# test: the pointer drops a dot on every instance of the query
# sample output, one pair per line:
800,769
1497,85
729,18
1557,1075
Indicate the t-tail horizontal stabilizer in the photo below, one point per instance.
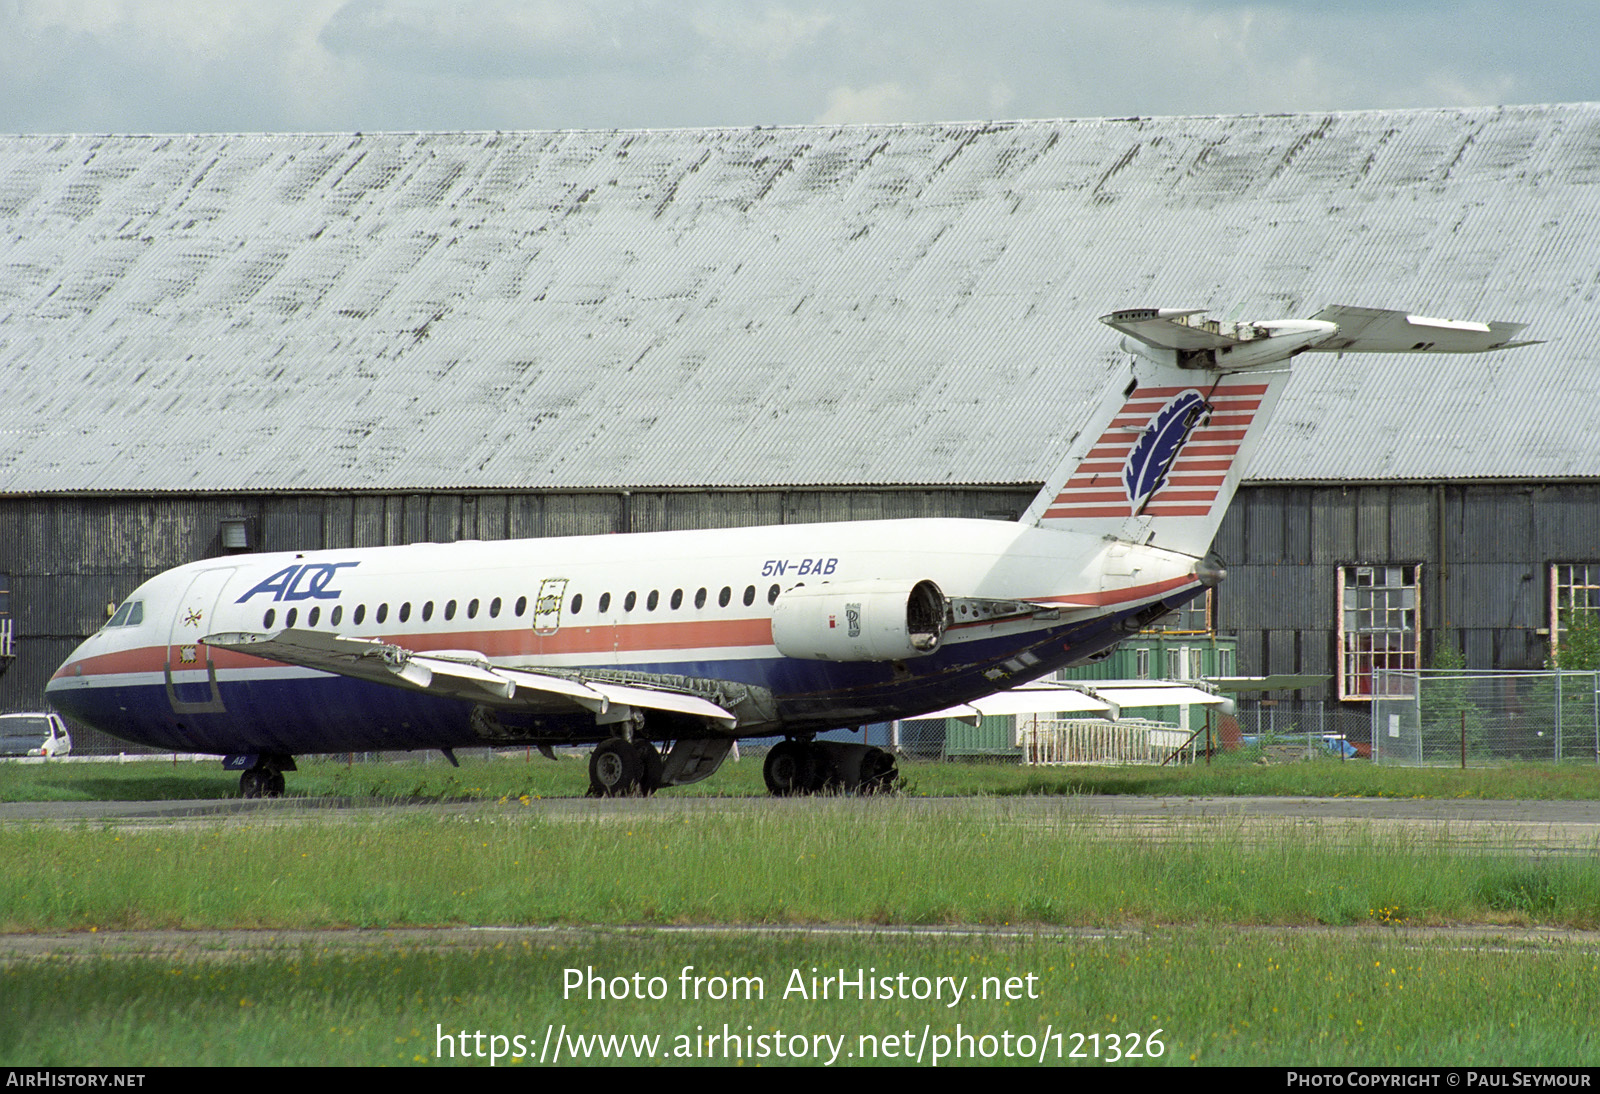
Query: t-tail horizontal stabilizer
1166,447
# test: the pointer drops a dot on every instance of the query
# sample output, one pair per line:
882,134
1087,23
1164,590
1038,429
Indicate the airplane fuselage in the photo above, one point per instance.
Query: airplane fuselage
693,605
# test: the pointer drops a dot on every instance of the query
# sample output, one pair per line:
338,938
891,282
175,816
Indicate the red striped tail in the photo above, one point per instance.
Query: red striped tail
1159,463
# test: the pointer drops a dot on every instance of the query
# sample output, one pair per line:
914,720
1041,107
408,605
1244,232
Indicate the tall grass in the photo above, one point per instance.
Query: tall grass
820,862
1213,995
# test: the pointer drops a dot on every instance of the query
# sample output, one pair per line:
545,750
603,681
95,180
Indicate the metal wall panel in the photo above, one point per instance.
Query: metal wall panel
1333,528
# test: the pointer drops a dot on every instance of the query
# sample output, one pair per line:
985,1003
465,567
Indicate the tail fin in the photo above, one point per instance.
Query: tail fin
1160,459
1162,456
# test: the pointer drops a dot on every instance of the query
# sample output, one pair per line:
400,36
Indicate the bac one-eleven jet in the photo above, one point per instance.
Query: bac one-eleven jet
663,648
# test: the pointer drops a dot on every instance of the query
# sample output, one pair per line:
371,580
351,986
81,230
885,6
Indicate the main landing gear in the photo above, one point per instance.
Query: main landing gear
263,775
618,767
815,767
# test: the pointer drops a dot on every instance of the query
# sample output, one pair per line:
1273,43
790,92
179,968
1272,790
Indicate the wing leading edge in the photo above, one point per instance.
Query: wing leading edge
464,674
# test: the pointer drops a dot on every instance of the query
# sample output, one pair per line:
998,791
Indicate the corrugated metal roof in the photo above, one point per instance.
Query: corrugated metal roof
800,306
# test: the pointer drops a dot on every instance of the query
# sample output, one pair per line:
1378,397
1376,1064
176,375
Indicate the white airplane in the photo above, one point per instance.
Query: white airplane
663,648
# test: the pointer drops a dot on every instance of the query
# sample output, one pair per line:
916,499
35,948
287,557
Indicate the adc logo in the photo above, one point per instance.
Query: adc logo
308,582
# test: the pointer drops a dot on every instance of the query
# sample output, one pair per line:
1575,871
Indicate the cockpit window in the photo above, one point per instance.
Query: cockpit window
131,614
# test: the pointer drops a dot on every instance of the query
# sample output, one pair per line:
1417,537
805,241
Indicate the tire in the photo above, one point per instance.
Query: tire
654,767
615,769
878,772
791,768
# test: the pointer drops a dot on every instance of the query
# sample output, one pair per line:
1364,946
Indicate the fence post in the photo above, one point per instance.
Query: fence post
1558,717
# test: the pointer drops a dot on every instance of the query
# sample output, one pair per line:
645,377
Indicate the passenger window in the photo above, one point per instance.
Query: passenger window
361,613
449,610
266,620
749,595
629,601
472,608
577,603
494,608
383,612
427,611
288,620
605,603
522,605
652,600
677,599
405,611
338,614
312,616
724,596
700,599
772,595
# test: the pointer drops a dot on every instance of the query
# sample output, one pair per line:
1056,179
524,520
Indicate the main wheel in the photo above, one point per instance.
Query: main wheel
615,769
878,772
253,783
654,767
791,768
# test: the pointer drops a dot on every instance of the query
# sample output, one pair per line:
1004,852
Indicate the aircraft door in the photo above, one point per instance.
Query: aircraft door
547,609
185,657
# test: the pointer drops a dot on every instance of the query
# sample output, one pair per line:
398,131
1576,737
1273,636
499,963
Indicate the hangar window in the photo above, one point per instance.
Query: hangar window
1379,619
1574,590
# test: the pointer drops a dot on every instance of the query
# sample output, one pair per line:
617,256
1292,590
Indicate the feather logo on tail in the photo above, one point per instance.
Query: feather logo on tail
1158,446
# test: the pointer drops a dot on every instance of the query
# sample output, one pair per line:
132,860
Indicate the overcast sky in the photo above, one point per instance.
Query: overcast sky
140,66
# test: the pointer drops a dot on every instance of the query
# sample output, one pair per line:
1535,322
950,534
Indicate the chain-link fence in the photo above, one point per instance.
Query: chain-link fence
1287,729
1458,717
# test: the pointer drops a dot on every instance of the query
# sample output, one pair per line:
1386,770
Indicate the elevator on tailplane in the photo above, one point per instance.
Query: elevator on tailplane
661,649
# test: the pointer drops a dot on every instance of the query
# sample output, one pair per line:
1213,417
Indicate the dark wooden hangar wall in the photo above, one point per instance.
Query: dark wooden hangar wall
1485,551
68,557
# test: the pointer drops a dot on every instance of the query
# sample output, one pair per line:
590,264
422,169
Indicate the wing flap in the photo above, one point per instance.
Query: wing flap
464,674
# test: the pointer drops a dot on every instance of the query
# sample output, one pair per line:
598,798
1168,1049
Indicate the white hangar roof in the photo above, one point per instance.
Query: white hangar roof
907,304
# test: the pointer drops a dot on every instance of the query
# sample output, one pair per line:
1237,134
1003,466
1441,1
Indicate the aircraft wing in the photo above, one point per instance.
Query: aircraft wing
462,674
1376,330
1094,698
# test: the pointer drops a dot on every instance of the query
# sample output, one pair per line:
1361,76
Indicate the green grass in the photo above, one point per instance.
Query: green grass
808,863
513,776
1206,996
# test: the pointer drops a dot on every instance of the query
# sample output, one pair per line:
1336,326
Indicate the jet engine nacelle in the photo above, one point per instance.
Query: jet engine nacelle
860,620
